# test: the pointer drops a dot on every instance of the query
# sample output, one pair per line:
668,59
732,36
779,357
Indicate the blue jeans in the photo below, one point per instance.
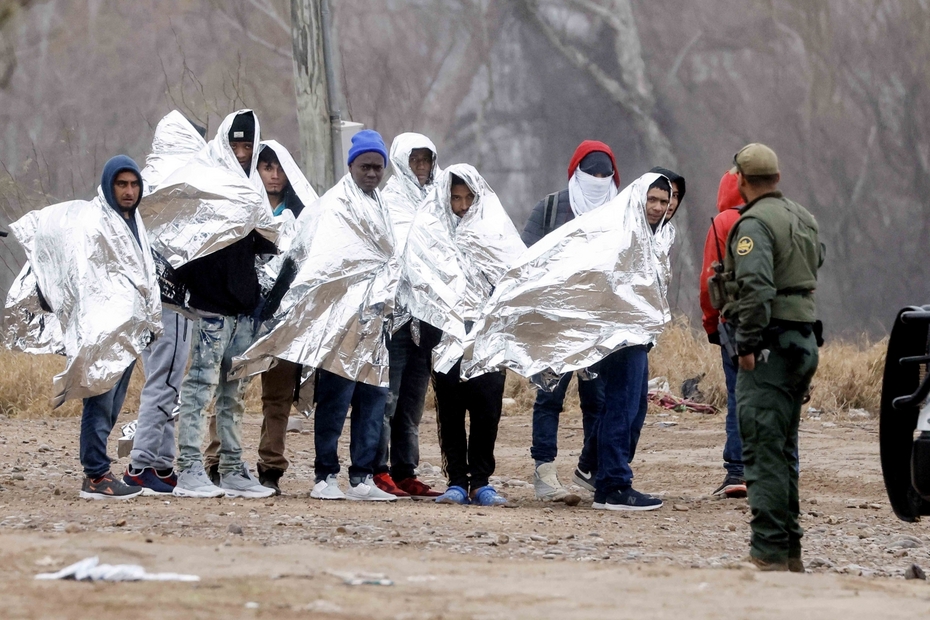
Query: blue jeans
733,448
625,374
587,462
409,378
97,421
334,395
215,341
546,412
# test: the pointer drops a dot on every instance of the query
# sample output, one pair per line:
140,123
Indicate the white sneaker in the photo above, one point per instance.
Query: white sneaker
546,484
327,489
194,482
243,484
366,491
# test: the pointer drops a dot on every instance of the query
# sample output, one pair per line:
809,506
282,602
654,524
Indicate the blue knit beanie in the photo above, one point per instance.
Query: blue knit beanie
367,141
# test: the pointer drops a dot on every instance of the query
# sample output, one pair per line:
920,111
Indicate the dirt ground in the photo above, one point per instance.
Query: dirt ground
531,559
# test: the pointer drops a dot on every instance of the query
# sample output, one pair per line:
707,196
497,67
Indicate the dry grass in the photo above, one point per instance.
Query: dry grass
849,377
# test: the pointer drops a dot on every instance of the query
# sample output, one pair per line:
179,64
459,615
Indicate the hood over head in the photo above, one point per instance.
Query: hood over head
675,178
403,145
591,146
120,163
728,192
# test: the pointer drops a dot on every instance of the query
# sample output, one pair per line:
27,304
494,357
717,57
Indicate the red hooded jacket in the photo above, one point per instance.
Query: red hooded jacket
728,203
592,146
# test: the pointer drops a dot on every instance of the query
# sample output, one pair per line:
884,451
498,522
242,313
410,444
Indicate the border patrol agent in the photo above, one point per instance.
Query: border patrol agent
770,273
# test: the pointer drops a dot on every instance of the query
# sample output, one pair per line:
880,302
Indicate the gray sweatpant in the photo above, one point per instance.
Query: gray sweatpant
164,362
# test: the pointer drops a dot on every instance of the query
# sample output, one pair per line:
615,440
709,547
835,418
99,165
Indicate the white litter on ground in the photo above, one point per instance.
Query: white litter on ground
90,569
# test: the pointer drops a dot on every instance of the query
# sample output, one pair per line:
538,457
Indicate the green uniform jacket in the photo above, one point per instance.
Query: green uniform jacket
773,254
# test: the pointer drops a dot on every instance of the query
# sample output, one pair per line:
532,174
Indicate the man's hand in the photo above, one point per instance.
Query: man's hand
747,362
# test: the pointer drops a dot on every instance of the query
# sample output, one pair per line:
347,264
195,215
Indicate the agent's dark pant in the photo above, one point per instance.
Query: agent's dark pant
97,421
468,460
768,401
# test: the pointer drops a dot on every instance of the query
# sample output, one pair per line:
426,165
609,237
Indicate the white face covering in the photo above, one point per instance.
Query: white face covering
587,192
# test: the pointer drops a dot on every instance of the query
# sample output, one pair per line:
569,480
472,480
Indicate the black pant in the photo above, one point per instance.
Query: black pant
468,461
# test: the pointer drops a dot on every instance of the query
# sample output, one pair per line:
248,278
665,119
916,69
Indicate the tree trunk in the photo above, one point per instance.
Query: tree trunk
310,86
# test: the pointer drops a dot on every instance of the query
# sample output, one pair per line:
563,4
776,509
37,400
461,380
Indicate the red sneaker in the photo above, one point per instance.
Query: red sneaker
416,489
384,482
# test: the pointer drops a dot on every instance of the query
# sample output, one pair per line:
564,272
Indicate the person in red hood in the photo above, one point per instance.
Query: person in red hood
729,202
593,180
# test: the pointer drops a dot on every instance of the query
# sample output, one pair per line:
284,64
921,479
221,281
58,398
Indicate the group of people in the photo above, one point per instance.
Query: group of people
359,298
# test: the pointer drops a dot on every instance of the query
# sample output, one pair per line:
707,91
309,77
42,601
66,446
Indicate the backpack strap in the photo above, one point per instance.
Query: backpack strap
550,212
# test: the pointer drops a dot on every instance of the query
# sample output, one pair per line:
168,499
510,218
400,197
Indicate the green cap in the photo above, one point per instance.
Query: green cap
755,160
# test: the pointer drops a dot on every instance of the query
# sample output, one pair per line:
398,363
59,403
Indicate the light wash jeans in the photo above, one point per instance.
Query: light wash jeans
215,341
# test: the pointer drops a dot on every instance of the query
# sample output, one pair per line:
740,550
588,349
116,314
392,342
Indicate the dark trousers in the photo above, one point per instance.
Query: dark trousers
548,407
733,448
97,421
334,395
626,386
278,388
409,377
468,460
768,401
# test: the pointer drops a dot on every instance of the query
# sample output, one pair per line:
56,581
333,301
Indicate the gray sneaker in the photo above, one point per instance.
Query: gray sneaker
243,484
546,484
194,482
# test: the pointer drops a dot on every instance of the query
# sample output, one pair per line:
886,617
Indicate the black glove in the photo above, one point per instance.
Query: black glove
714,338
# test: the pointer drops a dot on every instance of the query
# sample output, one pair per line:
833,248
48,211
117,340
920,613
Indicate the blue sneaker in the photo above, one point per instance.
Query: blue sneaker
487,496
149,480
454,495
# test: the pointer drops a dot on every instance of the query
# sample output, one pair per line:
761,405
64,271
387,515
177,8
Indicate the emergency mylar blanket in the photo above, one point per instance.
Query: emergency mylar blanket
99,283
208,203
587,289
450,264
174,144
337,311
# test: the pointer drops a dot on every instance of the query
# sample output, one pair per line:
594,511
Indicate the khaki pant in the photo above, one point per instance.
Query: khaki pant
278,388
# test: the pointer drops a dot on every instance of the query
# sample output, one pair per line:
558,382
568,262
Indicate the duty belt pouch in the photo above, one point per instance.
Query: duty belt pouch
716,287
818,332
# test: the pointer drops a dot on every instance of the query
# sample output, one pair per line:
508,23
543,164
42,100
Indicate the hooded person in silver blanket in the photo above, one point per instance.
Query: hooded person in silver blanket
415,168
224,294
589,292
288,194
331,310
93,269
460,244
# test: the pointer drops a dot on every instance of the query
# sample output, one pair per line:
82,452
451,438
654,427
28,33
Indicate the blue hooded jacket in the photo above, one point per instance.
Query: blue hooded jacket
121,163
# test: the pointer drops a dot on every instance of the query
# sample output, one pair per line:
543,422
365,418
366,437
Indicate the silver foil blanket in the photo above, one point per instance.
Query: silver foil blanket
450,264
403,194
101,286
209,202
587,289
337,312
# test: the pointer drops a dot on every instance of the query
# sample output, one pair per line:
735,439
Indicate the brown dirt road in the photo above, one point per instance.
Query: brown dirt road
531,560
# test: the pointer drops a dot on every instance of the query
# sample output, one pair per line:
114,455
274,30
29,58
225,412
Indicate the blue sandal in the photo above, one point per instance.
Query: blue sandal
487,496
453,495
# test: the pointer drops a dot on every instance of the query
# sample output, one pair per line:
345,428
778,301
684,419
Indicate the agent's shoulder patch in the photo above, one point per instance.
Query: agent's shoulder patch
743,246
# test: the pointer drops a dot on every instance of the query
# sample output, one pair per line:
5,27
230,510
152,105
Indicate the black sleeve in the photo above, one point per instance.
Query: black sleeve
535,226
262,245
282,284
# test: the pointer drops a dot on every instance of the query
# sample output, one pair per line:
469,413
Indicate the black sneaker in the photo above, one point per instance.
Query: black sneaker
107,487
628,499
584,479
732,487
269,478
214,473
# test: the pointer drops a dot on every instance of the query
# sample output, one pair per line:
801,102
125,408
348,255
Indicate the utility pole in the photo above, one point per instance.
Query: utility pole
315,84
